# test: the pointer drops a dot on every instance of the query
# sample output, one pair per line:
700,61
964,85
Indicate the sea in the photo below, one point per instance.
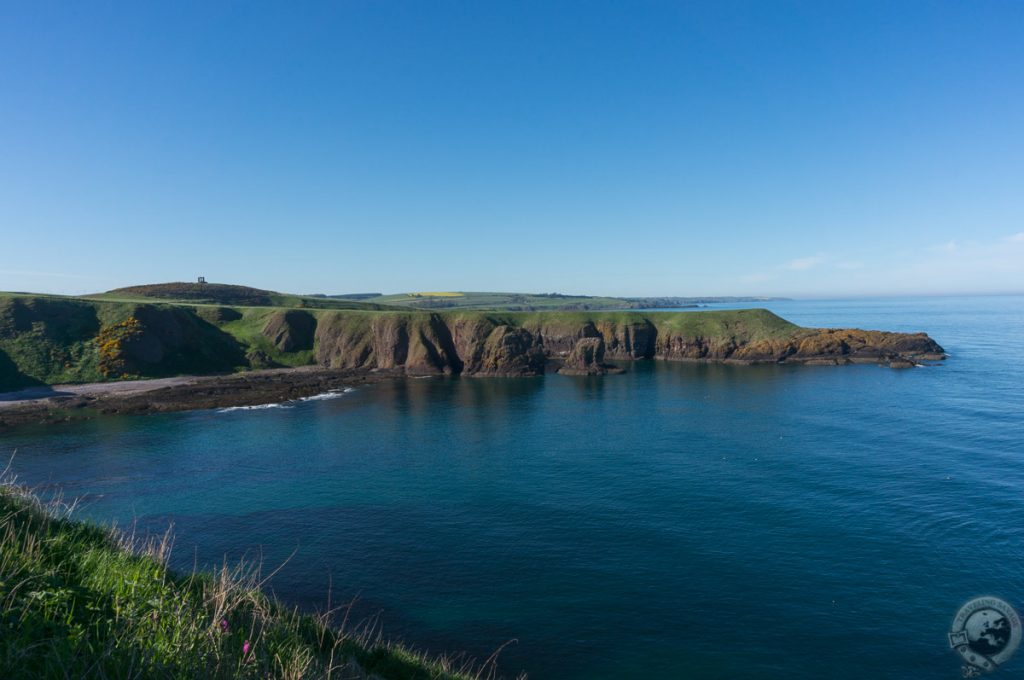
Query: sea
676,521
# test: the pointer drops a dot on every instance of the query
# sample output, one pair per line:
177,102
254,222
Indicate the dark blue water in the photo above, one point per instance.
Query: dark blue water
678,521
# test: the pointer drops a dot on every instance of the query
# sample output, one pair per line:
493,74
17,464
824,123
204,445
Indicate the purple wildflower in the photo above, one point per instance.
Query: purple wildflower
245,649
224,625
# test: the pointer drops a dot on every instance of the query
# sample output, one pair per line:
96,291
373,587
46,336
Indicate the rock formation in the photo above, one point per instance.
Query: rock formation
587,358
48,340
497,345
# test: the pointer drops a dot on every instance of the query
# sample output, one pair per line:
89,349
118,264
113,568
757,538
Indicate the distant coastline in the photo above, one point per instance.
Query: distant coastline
242,339
532,302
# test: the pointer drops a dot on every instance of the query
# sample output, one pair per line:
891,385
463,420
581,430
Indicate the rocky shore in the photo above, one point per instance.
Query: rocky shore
64,403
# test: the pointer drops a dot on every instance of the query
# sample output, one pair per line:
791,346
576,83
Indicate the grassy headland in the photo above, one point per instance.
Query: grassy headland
81,601
179,329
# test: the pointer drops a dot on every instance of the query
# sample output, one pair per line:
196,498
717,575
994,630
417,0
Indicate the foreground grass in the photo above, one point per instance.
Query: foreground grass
82,601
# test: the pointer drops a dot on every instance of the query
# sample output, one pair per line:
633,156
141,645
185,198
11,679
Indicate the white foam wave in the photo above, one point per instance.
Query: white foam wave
255,407
330,394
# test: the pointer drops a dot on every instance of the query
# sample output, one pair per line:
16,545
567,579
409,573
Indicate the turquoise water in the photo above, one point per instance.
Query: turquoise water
677,521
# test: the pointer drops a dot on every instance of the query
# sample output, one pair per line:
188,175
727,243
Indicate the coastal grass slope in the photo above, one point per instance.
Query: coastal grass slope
81,601
230,294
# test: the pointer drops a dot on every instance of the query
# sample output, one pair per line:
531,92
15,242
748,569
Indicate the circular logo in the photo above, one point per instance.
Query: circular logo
985,632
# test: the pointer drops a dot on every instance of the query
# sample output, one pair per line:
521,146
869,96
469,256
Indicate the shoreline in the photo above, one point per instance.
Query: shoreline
48,404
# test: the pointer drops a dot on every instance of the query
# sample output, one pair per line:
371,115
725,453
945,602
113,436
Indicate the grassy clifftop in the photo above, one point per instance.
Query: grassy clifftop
533,301
50,340
81,601
232,295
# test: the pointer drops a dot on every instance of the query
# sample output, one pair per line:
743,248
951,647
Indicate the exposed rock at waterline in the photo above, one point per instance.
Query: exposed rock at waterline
587,358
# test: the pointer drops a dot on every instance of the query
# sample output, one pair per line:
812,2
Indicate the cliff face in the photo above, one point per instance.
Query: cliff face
290,329
51,340
421,344
587,358
425,344
485,345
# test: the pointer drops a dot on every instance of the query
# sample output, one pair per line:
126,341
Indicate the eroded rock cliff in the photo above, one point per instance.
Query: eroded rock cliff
51,340
523,344
587,358
290,330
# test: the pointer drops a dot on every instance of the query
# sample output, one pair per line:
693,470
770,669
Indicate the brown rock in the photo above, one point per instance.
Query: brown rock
510,351
587,358
290,330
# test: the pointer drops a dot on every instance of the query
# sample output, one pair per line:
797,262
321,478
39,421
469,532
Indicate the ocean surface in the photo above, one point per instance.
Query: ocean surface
677,521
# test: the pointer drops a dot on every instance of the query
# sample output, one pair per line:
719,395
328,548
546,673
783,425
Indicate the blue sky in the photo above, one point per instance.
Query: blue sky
623,148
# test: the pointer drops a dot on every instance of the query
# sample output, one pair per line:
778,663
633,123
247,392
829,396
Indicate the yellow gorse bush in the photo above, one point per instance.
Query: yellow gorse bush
111,341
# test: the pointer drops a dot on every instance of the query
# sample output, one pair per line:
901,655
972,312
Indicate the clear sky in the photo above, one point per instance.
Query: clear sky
624,148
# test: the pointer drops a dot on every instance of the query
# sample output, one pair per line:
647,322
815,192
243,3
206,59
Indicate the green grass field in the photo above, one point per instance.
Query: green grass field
499,301
81,601
528,302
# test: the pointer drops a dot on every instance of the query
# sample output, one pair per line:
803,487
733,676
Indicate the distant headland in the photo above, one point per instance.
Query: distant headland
198,329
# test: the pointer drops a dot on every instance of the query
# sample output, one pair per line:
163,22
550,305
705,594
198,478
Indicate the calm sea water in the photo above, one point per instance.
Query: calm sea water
677,521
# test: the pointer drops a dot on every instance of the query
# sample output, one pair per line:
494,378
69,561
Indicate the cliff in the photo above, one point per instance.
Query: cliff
48,340
523,344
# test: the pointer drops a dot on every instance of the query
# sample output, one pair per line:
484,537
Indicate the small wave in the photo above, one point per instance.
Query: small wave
255,407
332,394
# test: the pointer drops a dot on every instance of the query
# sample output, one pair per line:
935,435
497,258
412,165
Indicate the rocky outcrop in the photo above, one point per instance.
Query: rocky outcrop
629,340
857,346
842,346
510,351
560,336
587,358
257,358
469,337
478,344
290,330
249,388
